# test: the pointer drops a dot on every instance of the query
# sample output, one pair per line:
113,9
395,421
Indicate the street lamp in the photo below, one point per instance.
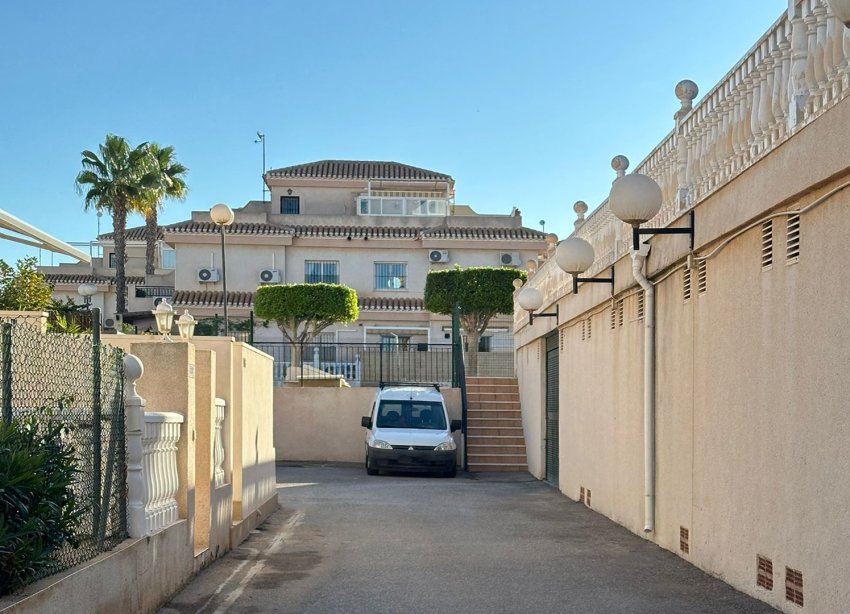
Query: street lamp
574,256
531,299
164,316
223,216
261,138
186,325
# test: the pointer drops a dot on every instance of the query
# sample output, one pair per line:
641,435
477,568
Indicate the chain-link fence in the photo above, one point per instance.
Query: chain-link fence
54,377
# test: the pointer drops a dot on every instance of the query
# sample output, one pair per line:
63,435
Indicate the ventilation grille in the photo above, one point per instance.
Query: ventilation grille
686,285
583,330
702,276
581,495
589,327
765,573
587,498
767,245
684,540
641,305
620,312
793,245
613,315
561,334
794,586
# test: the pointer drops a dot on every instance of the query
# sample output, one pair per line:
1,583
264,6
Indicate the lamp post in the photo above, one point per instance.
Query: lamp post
186,325
261,138
223,216
164,315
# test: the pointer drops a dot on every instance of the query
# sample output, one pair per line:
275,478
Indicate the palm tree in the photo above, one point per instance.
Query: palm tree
113,181
171,185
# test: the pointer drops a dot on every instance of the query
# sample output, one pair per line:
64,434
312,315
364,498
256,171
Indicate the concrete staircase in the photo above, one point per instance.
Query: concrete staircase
495,438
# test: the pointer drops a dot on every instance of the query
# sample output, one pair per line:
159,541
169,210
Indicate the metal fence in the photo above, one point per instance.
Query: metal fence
494,356
73,380
360,364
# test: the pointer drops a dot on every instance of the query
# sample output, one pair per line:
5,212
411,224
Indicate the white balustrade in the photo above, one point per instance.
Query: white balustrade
794,73
159,460
218,443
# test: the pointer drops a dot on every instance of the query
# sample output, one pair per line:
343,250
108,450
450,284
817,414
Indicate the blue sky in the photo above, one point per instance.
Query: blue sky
523,103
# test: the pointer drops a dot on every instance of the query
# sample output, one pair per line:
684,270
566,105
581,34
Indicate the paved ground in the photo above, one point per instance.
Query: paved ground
345,542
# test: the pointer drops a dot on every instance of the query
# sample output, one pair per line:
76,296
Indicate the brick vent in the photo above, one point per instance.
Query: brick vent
767,245
587,498
581,496
640,305
620,312
793,239
589,327
765,573
684,540
794,586
686,285
702,276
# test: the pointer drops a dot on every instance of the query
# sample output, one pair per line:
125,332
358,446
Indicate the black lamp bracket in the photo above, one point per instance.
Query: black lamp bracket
531,316
637,232
594,280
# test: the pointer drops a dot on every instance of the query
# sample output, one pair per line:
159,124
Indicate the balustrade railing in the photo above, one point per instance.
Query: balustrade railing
796,71
218,443
159,460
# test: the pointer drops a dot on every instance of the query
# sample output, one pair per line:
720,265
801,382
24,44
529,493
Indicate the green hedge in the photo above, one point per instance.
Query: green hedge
477,290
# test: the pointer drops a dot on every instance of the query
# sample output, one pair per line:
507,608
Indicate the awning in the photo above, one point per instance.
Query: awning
32,236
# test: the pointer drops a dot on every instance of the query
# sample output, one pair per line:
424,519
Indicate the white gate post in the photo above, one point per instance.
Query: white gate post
134,408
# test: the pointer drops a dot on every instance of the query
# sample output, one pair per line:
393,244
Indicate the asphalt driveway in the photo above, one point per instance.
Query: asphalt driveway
345,542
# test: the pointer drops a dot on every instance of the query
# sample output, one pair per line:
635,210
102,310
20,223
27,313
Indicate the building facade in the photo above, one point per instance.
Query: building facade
726,442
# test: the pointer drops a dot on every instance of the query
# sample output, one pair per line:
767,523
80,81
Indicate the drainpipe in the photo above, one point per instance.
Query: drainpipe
638,264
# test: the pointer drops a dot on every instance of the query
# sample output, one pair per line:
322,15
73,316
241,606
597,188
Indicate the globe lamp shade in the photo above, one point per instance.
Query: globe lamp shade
530,299
222,215
635,199
574,256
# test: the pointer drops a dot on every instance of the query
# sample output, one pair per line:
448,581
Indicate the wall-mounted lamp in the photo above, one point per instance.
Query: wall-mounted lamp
164,315
186,325
635,199
574,256
87,291
531,299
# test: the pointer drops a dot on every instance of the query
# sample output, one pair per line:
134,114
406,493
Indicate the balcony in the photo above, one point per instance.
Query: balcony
414,206
154,291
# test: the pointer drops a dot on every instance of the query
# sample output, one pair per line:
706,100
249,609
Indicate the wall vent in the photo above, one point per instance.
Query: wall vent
581,495
793,246
613,315
587,497
767,245
794,586
764,576
702,276
684,540
583,330
641,304
620,312
589,327
561,334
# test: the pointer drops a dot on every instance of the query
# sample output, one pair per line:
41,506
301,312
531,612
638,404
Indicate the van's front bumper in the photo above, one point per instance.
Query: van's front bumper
412,460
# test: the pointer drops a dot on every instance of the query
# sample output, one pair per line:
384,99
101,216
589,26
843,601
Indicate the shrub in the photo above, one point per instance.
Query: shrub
302,311
39,512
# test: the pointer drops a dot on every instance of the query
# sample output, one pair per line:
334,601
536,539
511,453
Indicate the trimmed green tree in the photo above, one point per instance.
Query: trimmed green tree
481,292
23,288
302,311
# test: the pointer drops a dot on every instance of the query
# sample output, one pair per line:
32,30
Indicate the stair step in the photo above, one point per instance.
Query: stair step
502,459
496,467
476,432
491,380
496,450
495,413
475,397
495,440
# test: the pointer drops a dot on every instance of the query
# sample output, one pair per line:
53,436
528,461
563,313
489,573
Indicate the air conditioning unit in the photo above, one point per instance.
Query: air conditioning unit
269,276
206,276
438,255
109,323
157,301
509,259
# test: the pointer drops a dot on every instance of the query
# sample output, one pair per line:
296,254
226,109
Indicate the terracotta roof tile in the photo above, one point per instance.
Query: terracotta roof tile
137,233
376,303
75,279
358,169
520,234
358,232
239,228
211,298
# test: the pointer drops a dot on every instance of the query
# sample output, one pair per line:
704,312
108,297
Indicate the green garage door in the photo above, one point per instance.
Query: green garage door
552,409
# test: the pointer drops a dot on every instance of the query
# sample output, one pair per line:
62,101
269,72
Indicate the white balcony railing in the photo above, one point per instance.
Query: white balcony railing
159,461
402,206
218,443
794,73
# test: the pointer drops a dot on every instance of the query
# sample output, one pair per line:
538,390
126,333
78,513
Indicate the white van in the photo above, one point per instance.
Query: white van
409,430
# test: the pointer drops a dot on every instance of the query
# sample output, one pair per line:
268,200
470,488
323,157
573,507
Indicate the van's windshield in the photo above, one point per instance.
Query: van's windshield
411,415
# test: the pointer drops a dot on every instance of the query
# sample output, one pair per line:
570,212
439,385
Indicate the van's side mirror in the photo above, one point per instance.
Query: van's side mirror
457,425
366,422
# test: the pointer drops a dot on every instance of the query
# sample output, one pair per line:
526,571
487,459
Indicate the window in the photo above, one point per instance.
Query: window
411,415
390,276
393,343
111,260
321,272
290,205
168,259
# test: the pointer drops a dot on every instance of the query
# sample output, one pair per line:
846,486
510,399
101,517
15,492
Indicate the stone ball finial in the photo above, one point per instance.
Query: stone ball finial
620,164
517,283
531,265
687,91
133,370
551,238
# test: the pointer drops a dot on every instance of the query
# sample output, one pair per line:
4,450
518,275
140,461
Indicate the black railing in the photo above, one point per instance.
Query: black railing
154,291
360,364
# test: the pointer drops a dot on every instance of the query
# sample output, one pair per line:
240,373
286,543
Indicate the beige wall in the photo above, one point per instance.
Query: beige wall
323,424
751,384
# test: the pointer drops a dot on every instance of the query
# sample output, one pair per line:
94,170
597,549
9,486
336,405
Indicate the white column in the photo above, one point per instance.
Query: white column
218,445
134,411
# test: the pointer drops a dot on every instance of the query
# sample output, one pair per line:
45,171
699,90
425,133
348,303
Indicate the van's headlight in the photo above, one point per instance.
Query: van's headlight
381,445
446,445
